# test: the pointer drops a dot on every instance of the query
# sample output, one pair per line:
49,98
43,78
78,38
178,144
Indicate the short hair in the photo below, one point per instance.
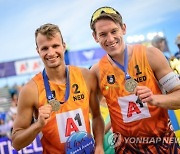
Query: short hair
106,13
49,30
177,41
157,39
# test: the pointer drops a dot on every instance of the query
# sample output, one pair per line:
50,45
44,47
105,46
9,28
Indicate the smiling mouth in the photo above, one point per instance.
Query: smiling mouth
112,45
52,59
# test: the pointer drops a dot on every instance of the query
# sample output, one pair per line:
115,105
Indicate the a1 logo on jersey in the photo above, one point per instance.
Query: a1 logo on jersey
77,94
133,109
73,121
111,79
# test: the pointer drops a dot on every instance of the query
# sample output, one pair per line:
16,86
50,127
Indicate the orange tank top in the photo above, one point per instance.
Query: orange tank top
72,116
127,117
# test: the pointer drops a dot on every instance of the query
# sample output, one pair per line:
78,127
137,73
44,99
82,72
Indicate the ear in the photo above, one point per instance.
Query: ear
124,29
95,37
37,49
64,46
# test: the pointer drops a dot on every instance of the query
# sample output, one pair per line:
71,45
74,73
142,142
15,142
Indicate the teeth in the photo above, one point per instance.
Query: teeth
51,58
112,45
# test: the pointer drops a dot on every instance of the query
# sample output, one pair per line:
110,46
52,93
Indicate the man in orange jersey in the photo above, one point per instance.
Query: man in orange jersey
130,77
59,98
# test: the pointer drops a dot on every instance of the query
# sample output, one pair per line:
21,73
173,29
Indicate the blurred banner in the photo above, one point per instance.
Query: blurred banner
7,69
86,58
83,58
6,147
28,66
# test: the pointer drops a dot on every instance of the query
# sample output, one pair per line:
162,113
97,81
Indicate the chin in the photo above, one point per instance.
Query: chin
112,53
53,65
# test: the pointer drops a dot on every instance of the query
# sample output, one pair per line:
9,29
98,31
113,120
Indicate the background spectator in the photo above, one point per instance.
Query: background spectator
161,43
177,42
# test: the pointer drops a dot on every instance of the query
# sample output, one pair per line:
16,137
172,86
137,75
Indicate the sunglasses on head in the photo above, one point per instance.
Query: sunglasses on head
106,10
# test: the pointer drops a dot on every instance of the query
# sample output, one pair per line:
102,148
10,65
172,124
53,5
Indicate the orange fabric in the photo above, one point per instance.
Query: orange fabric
51,141
155,123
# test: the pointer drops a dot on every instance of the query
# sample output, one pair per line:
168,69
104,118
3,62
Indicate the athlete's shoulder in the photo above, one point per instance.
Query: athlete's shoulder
85,71
29,93
89,77
95,67
37,76
149,50
154,53
80,71
137,47
77,69
29,87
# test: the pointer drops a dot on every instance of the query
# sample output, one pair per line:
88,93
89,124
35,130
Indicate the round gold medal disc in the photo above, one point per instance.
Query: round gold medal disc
130,85
55,104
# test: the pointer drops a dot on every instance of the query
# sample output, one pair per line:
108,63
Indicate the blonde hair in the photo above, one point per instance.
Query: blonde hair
49,30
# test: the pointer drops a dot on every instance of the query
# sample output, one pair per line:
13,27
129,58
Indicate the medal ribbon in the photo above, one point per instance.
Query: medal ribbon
123,68
49,94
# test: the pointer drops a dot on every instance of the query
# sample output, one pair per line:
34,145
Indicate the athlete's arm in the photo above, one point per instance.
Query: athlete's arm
161,69
95,71
23,132
97,120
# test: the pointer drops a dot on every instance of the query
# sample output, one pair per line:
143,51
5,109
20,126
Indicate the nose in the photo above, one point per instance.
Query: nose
110,38
51,51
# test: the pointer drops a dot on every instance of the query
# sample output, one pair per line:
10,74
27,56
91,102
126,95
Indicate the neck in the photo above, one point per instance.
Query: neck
120,57
57,75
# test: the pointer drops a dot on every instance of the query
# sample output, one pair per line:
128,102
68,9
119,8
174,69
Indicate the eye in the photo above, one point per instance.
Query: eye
44,49
114,31
55,46
102,35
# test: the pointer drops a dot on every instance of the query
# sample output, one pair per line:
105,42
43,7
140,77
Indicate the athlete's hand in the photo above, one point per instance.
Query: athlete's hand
44,114
145,94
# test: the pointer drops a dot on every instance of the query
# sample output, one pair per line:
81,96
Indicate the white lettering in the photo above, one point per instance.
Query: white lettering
10,148
2,144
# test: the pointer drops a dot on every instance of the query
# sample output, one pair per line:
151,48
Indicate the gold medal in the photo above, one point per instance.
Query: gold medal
130,85
55,104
